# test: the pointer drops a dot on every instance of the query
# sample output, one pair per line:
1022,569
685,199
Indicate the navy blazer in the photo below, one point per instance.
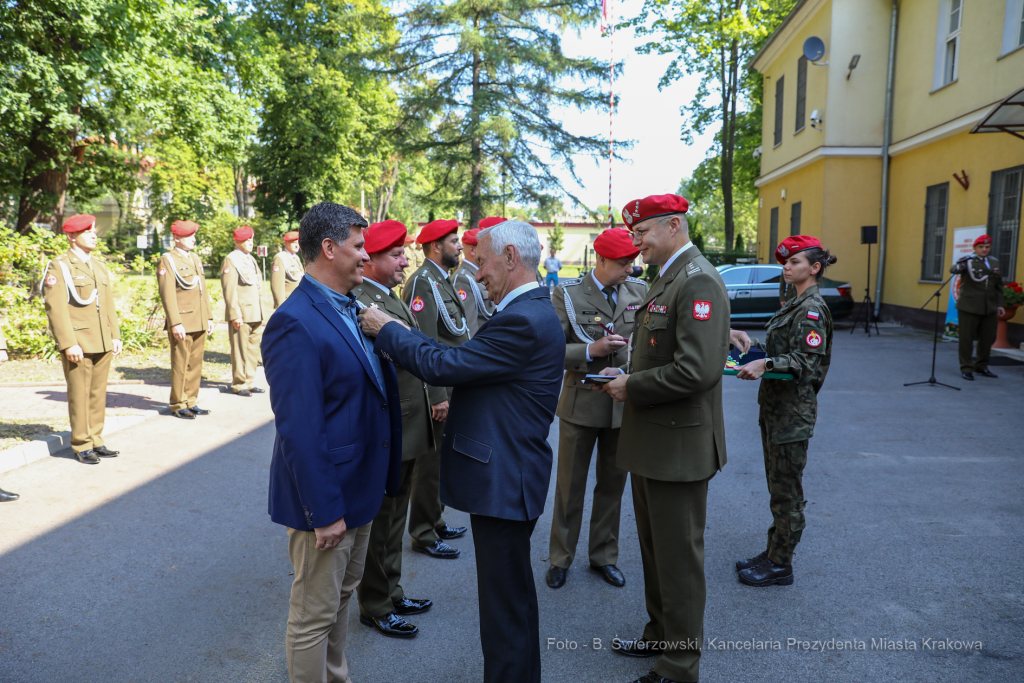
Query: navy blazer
338,448
495,457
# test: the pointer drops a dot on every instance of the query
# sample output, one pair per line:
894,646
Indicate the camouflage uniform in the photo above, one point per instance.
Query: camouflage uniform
799,342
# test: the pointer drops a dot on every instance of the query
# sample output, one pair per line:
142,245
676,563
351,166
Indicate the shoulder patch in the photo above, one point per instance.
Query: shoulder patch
227,269
462,294
692,267
813,314
569,282
276,268
417,304
51,280
813,339
636,281
162,271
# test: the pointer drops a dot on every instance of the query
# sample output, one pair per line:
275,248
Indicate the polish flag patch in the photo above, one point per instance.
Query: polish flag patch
702,310
462,294
813,315
51,280
813,339
417,304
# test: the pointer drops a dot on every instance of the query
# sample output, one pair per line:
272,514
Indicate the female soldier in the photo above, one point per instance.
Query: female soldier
800,343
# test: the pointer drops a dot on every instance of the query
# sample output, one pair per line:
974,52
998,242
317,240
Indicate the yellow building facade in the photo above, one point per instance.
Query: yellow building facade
823,139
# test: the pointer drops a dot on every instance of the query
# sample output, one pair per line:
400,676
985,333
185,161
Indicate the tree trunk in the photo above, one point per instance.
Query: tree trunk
476,150
730,75
243,208
49,186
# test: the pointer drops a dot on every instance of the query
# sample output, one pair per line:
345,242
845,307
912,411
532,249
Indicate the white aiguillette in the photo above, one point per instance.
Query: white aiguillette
597,379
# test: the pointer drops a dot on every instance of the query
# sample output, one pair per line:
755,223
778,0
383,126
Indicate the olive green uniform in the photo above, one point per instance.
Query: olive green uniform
286,272
187,303
380,587
242,285
799,342
672,442
80,309
981,293
587,417
475,300
441,316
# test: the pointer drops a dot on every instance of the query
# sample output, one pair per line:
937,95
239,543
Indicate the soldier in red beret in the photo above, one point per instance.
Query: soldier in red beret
80,309
286,270
478,305
979,305
243,310
188,315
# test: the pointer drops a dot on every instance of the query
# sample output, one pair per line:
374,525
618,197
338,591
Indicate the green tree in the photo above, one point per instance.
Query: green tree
184,187
556,237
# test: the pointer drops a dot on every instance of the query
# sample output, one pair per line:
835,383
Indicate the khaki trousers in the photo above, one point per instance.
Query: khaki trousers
575,448
87,398
670,520
380,587
318,609
245,353
186,368
425,507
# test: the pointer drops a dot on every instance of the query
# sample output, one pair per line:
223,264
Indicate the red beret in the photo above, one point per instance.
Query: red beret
410,238
794,245
469,237
435,230
493,220
82,221
243,233
654,206
984,239
184,228
615,243
291,236
384,235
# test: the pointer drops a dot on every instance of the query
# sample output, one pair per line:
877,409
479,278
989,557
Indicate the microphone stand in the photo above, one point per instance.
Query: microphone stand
935,340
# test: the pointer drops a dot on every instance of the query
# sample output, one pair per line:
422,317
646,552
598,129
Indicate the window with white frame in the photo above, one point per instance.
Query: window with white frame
947,42
1013,26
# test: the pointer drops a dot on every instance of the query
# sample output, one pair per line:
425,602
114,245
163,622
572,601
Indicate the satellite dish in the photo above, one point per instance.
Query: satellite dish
814,48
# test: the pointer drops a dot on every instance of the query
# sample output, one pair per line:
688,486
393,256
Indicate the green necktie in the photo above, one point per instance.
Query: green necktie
608,292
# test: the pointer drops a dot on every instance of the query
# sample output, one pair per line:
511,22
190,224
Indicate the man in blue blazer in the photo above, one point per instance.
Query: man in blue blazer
495,457
339,439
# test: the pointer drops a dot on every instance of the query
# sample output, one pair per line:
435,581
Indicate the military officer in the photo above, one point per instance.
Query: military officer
382,600
672,439
441,316
478,305
979,306
286,270
83,320
5,496
189,318
799,343
597,313
243,304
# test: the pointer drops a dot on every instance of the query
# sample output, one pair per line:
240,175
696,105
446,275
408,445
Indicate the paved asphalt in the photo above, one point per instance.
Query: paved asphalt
162,565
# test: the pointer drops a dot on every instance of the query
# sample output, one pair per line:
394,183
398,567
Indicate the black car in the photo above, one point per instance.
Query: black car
754,292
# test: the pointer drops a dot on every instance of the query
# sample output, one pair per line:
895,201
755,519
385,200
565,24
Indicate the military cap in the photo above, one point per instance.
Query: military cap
469,237
794,245
436,230
984,239
615,243
290,236
491,221
654,206
184,228
243,233
82,221
384,235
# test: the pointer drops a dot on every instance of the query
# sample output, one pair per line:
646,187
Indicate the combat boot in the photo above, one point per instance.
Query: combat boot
767,573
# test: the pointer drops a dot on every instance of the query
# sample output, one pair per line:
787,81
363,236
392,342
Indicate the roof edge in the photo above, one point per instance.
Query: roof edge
775,34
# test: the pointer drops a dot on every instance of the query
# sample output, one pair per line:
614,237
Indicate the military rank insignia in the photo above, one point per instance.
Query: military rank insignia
813,339
462,294
633,308
417,304
702,310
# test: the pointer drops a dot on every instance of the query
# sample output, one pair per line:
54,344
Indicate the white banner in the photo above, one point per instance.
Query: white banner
963,245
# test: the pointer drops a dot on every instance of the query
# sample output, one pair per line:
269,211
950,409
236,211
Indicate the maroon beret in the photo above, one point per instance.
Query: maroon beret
184,228
794,245
435,230
243,233
615,243
654,206
469,237
291,236
493,220
82,221
384,235
984,239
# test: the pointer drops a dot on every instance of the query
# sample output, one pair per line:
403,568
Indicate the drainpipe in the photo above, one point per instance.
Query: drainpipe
887,138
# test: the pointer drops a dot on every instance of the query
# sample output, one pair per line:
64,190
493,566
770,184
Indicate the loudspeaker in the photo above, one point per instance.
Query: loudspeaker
869,234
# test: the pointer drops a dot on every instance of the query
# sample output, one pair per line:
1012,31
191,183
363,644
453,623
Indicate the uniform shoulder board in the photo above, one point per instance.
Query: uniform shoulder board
692,268
636,281
569,282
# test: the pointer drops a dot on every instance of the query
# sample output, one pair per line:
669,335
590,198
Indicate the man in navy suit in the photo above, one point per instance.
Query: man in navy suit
339,439
495,457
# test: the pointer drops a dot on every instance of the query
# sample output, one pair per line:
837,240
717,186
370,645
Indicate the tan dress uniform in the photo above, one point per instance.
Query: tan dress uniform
80,310
672,442
441,316
285,273
187,303
242,285
475,300
587,417
380,587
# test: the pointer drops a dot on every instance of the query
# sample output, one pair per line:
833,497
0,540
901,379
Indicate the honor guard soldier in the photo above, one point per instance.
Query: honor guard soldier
441,316
672,439
597,313
382,601
243,304
83,320
799,343
477,304
979,306
189,318
5,496
286,270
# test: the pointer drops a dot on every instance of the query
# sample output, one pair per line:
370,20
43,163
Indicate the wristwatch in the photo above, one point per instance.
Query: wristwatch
769,364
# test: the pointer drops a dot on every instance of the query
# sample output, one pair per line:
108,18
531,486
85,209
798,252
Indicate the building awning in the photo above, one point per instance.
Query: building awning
1005,117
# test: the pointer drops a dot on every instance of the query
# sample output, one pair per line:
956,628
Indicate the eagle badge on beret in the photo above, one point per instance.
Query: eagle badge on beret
702,310
783,250
417,304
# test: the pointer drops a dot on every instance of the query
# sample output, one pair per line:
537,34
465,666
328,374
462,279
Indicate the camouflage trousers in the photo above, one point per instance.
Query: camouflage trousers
784,468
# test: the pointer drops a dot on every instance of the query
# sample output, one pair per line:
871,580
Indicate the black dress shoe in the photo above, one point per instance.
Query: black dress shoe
967,376
407,606
438,549
184,414
87,458
611,574
105,452
641,647
7,496
652,677
448,532
556,576
390,625
767,573
987,373
751,562
257,390
196,410
243,392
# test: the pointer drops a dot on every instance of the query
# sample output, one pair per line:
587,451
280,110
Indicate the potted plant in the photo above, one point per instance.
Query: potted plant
1013,297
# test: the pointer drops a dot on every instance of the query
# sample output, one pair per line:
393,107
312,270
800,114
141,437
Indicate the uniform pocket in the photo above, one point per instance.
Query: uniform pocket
472,448
342,454
676,417
406,406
